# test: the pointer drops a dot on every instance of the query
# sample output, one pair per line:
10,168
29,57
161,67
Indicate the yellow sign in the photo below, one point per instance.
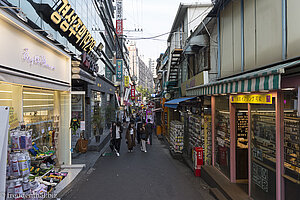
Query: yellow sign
255,98
126,81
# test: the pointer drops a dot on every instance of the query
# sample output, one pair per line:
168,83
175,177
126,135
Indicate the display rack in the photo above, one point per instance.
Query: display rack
207,139
196,138
176,136
292,145
264,135
242,130
223,129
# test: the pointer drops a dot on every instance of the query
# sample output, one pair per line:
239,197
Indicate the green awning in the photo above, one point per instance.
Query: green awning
266,79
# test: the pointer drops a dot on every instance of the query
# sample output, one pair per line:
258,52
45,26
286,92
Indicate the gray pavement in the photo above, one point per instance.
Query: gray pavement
138,175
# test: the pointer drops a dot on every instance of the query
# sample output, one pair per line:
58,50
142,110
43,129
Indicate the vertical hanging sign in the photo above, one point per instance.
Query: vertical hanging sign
119,27
119,70
132,92
119,17
126,81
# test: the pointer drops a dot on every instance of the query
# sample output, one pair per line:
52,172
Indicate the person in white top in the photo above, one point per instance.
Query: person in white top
130,137
116,135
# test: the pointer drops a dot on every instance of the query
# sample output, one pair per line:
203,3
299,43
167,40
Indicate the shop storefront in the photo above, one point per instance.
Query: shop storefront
35,83
196,114
255,130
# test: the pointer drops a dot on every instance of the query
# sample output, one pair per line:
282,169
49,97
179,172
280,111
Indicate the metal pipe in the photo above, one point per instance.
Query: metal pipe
219,46
284,30
242,37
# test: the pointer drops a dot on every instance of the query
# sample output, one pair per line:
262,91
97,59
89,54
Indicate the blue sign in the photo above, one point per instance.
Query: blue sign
119,71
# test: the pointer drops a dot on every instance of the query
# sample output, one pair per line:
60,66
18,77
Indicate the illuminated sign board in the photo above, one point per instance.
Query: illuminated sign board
255,98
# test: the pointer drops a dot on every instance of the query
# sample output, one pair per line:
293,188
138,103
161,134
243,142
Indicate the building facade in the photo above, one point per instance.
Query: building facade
247,101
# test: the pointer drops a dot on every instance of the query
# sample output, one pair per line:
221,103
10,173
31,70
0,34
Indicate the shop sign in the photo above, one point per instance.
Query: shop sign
36,60
119,69
132,92
89,62
256,99
108,73
126,81
119,17
72,27
64,20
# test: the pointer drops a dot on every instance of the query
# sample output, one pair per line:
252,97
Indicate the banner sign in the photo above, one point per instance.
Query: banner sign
119,69
256,99
108,73
119,17
132,92
126,81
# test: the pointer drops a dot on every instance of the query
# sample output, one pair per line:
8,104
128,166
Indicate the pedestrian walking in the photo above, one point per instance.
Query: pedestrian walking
144,137
138,132
130,137
116,136
149,129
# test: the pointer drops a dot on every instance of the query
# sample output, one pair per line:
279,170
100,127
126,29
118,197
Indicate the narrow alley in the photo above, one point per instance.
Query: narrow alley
138,175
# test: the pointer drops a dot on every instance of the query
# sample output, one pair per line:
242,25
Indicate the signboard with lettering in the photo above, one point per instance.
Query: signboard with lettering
119,17
255,98
108,73
65,20
119,73
132,92
126,81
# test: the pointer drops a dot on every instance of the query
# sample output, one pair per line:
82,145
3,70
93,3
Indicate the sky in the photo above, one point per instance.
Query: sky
154,17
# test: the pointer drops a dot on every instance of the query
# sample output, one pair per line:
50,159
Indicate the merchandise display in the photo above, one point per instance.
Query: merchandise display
223,129
176,136
263,138
30,171
242,130
196,132
223,142
292,146
207,139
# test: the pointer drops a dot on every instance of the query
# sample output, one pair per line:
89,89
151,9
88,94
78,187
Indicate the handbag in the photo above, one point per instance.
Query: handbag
148,141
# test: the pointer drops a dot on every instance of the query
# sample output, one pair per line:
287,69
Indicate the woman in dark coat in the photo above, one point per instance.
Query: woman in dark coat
116,136
144,137
130,137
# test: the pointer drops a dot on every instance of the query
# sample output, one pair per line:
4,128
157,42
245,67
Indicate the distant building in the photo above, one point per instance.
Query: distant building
152,66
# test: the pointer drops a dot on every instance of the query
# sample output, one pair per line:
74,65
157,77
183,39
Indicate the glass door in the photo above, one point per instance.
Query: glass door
263,148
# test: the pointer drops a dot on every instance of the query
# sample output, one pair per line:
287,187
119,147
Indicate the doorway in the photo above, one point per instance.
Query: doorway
242,146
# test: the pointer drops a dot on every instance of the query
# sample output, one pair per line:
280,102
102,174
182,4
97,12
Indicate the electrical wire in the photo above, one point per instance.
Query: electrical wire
170,32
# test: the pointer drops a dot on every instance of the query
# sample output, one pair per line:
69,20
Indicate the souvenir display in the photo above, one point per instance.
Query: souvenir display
30,166
176,136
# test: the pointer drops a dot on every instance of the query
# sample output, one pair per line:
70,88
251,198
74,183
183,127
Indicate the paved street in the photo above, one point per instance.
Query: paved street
138,175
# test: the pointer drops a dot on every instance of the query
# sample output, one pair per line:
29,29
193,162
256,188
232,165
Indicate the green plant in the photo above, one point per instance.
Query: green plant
109,113
97,121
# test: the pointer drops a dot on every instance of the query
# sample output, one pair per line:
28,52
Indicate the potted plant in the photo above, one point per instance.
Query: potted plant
109,114
97,123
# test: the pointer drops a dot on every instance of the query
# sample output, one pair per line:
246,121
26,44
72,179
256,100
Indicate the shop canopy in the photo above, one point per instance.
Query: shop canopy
265,79
175,102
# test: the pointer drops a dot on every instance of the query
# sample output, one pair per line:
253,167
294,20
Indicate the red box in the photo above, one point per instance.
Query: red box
198,160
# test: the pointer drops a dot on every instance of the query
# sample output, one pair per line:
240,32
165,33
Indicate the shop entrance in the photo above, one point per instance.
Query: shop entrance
242,145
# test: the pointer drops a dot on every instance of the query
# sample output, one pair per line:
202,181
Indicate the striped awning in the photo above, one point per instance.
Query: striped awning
266,79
